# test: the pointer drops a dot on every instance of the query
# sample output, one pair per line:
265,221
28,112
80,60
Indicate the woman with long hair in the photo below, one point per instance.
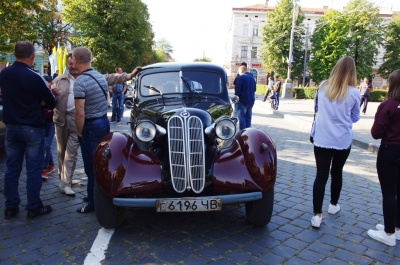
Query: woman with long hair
387,127
338,107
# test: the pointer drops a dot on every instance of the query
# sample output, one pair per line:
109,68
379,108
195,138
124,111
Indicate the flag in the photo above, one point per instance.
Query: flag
59,59
64,60
53,61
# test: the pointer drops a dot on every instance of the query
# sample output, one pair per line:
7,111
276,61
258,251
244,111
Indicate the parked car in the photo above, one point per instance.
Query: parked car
129,93
184,153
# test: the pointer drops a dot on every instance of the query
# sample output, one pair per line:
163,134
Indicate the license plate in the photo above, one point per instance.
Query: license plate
188,205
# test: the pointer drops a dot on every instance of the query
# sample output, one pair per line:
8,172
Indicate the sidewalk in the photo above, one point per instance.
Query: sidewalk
301,111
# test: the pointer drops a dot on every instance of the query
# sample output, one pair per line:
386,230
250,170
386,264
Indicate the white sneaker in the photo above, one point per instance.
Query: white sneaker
316,221
381,236
333,209
381,227
75,181
67,191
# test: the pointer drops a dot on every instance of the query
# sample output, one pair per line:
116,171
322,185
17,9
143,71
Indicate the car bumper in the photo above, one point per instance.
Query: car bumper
151,203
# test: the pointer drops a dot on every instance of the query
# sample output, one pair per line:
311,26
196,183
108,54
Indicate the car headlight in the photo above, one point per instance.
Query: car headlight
145,131
225,129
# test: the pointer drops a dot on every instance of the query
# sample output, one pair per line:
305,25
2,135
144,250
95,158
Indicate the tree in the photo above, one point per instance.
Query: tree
163,44
392,48
329,42
364,35
276,40
117,32
17,22
204,59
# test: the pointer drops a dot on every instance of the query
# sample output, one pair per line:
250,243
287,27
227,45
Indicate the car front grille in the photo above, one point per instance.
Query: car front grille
186,150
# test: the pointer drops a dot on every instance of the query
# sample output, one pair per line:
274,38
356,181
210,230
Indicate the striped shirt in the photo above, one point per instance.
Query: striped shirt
85,87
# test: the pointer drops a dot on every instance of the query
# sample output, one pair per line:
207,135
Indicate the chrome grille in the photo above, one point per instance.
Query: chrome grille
186,149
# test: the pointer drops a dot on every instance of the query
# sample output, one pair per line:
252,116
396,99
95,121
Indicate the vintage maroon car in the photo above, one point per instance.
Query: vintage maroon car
185,153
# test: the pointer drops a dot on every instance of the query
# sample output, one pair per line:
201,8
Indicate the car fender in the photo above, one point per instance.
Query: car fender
120,167
248,164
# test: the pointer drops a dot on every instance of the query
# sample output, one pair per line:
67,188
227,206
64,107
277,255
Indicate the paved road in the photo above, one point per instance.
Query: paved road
65,237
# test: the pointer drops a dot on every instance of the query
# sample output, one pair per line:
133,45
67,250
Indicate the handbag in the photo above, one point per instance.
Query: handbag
315,113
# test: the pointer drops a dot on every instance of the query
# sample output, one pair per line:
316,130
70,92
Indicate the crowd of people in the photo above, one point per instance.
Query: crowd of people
73,108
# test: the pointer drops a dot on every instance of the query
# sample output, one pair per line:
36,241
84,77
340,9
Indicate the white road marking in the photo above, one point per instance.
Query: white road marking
100,245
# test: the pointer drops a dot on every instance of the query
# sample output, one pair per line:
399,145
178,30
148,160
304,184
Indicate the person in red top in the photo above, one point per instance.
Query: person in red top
387,127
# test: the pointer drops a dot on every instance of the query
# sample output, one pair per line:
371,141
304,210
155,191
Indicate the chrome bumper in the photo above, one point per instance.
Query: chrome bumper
151,203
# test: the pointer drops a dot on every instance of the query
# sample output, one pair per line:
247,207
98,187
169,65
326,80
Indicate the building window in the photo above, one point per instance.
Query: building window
255,30
246,30
243,52
254,52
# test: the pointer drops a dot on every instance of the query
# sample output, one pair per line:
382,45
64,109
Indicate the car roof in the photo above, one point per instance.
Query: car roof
178,66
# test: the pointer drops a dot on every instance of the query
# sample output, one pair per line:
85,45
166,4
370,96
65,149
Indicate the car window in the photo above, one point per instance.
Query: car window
180,82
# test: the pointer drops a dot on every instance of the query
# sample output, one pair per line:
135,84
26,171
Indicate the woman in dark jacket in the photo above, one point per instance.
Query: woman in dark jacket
387,127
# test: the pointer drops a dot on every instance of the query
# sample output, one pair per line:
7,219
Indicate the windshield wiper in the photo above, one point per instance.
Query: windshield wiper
187,85
153,89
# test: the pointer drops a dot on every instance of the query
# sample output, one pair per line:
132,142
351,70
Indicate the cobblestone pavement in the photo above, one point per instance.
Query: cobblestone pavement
65,237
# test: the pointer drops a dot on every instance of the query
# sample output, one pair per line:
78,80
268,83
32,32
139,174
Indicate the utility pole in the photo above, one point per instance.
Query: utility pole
288,85
305,57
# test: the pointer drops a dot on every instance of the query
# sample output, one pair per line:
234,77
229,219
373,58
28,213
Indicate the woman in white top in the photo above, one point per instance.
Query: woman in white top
338,104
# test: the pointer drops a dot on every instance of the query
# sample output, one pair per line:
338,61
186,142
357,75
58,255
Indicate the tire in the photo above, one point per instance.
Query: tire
108,215
259,212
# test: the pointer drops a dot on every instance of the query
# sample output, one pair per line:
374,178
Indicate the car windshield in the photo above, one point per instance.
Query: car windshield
180,82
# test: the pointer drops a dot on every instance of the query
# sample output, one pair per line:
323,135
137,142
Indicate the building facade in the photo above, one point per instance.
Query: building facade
245,40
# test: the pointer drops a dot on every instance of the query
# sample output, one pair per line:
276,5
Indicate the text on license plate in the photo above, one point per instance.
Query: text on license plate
188,205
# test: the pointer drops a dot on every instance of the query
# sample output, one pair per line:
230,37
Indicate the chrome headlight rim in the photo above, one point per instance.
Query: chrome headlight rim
225,129
145,131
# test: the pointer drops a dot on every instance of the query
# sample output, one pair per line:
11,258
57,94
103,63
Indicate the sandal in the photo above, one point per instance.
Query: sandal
87,208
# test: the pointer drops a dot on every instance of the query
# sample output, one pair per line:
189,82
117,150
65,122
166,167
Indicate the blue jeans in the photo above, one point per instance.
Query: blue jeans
122,106
48,140
244,113
29,141
116,106
93,131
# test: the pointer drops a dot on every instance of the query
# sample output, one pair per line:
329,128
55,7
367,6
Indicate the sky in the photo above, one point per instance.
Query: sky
198,28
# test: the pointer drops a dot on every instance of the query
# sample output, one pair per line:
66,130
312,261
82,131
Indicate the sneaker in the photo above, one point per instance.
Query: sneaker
39,211
75,181
112,121
50,169
67,191
44,175
381,227
118,122
87,208
316,221
333,209
10,213
382,237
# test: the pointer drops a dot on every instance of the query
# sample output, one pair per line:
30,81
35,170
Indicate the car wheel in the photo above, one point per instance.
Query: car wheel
108,215
259,212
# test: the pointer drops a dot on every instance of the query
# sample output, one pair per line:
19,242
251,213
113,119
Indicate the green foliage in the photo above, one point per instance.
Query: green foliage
204,59
261,89
117,32
392,47
377,95
355,32
276,41
364,35
304,92
18,22
329,43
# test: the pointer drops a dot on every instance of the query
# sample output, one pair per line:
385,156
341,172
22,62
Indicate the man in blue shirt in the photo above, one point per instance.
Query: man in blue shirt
25,95
245,89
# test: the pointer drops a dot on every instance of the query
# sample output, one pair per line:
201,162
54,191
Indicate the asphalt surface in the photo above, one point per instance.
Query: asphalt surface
147,237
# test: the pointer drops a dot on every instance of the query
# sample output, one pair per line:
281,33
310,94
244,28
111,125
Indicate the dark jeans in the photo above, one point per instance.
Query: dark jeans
244,113
117,105
324,157
29,141
121,106
93,132
48,140
364,99
388,167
